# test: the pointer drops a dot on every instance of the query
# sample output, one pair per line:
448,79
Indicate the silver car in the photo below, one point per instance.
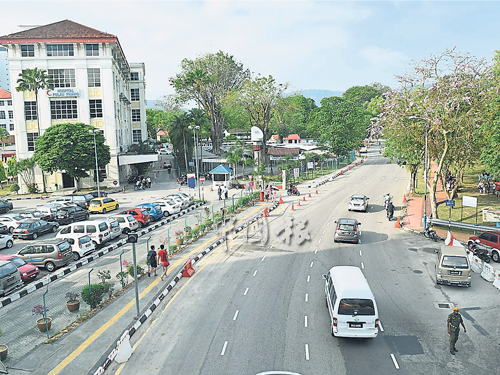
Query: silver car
358,202
347,230
10,278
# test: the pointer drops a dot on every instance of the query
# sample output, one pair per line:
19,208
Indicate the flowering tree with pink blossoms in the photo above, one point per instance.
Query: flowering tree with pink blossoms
447,97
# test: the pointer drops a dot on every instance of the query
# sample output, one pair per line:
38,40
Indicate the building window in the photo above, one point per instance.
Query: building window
62,77
60,50
92,49
31,140
134,76
95,108
136,115
94,77
9,102
136,136
30,111
28,50
2,115
2,103
3,126
11,127
63,109
11,115
134,95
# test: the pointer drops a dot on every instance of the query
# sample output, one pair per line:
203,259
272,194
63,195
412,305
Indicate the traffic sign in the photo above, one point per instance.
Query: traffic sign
202,179
251,184
115,182
296,172
450,203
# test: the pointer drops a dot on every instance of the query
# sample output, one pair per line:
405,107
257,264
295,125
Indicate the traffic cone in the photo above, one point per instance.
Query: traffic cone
304,198
211,188
361,162
398,223
281,200
41,198
341,172
123,190
355,164
293,208
404,199
316,191
179,188
310,195
349,168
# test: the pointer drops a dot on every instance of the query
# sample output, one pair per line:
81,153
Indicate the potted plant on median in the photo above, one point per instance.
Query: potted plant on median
45,322
72,301
3,349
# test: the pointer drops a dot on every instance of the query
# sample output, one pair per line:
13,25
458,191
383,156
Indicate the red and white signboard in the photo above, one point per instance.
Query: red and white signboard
202,179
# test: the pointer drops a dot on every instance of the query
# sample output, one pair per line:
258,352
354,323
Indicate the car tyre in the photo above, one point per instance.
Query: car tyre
95,244
11,230
76,256
126,231
495,256
103,210
9,244
7,210
141,225
51,267
35,236
117,206
54,229
469,245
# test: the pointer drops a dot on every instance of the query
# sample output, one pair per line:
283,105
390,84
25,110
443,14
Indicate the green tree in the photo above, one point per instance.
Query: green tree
3,175
208,80
292,116
362,95
340,123
181,138
26,169
70,147
157,119
12,167
4,136
35,80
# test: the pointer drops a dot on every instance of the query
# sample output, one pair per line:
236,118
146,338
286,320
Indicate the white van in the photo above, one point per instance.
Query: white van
97,231
351,304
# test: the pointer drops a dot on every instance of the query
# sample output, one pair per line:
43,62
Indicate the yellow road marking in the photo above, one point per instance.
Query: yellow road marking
66,361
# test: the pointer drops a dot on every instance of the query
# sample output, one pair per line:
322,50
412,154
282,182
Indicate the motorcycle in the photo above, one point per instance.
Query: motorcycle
387,199
431,233
480,251
390,214
293,191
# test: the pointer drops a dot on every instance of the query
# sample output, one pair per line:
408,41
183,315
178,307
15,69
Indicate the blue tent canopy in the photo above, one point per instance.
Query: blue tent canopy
221,169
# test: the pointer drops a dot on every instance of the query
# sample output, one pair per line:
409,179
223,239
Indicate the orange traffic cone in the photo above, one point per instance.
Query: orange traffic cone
281,200
310,195
349,168
361,161
123,190
398,223
179,188
304,198
404,199
293,208
341,172
355,164
316,191
41,198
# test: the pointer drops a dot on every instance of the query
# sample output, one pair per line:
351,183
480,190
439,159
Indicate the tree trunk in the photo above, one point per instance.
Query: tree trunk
437,175
39,134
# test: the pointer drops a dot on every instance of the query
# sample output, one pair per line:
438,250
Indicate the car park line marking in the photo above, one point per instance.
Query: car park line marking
315,251
362,265
246,291
319,241
308,278
236,314
255,273
307,297
364,219
323,232
327,224
307,352
224,348
305,321
311,265
360,254
263,258
394,361
380,325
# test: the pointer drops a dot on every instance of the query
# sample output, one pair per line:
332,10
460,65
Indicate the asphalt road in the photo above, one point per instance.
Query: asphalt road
259,307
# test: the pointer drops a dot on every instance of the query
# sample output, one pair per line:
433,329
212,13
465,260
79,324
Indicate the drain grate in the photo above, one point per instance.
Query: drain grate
444,305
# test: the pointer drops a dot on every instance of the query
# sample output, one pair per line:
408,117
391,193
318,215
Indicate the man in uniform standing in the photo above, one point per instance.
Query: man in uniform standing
454,321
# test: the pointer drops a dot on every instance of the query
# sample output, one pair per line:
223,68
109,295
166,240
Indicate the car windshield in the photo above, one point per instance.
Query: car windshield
454,262
84,239
357,199
63,246
346,227
355,306
17,218
94,202
18,262
24,225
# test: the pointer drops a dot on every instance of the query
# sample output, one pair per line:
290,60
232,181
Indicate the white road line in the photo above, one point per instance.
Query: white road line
362,265
263,258
236,314
307,352
224,348
307,297
271,246
380,325
364,219
308,278
311,265
319,241
315,251
323,232
327,224
305,321
395,362
360,254
255,273
246,291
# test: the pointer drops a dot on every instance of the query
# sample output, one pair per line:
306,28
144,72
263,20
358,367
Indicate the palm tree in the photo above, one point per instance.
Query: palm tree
178,132
35,80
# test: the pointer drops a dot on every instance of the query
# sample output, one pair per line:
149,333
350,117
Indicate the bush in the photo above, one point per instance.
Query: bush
140,270
195,233
32,188
94,297
14,188
231,210
173,248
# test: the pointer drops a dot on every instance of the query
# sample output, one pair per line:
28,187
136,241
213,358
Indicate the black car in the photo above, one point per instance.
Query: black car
82,200
3,228
34,228
35,214
68,215
5,206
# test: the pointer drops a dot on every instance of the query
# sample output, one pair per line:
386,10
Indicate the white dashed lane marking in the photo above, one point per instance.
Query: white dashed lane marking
380,325
263,258
307,297
311,265
394,361
360,254
246,291
224,348
308,278
305,321
307,352
236,314
255,273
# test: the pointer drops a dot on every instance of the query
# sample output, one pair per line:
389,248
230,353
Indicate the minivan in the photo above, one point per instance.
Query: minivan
452,266
10,278
50,254
82,200
97,231
351,304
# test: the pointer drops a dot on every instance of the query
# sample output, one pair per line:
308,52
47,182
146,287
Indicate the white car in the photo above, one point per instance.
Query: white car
177,199
12,221
188,198
358,202
115,229
81,246
164,151
6,241
126,222
168,206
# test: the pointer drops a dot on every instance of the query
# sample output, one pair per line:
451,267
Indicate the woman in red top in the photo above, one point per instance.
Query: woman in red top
163,259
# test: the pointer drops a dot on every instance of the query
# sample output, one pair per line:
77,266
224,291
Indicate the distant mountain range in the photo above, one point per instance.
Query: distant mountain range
316,95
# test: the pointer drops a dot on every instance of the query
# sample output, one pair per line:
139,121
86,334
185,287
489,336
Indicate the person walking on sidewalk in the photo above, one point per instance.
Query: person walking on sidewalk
163,258
219,191
152,264
454,321
226,191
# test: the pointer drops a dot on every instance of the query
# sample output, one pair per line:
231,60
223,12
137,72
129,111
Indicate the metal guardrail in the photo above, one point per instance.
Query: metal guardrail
458,224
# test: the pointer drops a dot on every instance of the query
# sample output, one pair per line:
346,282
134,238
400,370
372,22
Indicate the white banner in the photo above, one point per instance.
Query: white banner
469,201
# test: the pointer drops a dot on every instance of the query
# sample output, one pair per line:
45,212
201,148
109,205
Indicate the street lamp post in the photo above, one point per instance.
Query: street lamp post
93,131
424,219
194,128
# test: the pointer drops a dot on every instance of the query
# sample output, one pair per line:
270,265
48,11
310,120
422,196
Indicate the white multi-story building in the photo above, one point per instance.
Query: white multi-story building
93,84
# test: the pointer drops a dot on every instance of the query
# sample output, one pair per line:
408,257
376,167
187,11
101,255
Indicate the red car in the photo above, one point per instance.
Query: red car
28,271
139,214
490,239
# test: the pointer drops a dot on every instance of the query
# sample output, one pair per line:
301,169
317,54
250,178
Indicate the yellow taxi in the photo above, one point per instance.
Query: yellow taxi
103,205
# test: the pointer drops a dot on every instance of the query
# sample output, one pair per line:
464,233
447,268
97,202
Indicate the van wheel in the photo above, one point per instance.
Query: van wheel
103,210
495,256
95,244
50,266
76,256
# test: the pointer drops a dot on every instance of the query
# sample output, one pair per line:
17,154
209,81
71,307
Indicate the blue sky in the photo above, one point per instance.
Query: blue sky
330,45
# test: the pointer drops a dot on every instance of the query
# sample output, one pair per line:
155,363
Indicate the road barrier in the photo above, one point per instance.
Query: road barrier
476,265
496,282
188,268
488,273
